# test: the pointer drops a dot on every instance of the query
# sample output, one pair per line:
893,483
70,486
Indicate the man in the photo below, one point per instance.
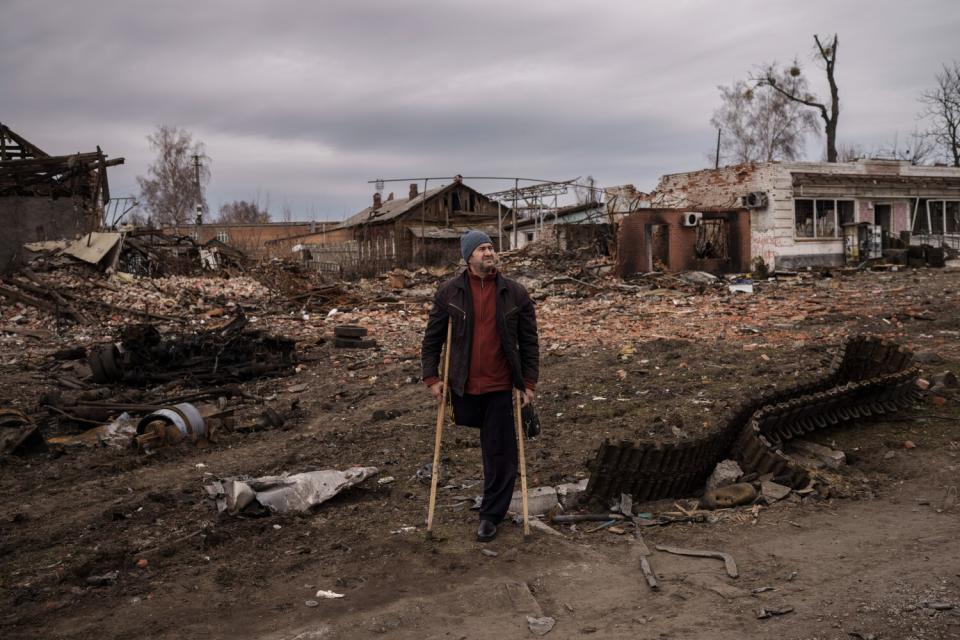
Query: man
495,350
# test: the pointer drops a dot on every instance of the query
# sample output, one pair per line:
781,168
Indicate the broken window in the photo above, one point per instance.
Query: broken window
819,218
826,219
455,201
936,216
952,220
846,210
712,241
473,202
921,221
803,218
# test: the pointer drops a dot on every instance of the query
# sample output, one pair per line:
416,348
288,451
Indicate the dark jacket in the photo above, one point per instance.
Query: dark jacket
516,324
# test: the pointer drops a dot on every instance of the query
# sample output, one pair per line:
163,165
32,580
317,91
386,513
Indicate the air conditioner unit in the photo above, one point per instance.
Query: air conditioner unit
754,200
692,218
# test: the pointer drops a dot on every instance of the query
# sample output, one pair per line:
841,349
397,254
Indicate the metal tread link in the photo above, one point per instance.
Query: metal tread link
867,377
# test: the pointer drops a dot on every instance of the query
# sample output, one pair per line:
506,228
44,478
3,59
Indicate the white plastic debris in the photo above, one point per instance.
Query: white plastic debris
286,493
329,595
404,530
725,473
540,626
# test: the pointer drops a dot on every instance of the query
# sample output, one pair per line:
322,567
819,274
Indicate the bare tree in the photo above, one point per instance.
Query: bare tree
918,149
942,106
771,76
849,152
286,213
241,211
760,124
586,190
137,217
170,191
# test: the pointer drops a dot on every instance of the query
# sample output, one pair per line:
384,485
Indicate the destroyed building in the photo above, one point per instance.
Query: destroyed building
827,214
678,239
44,197
421,229
566,227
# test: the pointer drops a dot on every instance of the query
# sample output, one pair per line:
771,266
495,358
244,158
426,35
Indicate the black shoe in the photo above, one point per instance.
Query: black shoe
487,531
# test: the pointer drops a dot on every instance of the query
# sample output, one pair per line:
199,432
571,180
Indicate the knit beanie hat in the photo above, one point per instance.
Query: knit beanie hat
470,241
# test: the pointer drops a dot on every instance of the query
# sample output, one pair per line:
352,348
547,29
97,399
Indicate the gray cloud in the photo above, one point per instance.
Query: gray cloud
307,102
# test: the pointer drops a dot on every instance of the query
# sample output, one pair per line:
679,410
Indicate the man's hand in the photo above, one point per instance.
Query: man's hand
527,396
437,390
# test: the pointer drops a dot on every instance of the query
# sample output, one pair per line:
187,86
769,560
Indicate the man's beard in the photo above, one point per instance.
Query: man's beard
484,268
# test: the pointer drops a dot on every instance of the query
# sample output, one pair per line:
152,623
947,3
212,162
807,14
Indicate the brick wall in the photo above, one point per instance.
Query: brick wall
638,243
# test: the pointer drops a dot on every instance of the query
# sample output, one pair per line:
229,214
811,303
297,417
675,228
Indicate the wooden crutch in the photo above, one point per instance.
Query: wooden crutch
435,471
518,422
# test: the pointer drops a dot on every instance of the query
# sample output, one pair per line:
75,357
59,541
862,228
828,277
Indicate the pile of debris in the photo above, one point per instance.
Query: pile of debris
144,252
228,352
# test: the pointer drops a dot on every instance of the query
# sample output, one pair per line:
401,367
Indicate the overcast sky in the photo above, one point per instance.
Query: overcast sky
305,102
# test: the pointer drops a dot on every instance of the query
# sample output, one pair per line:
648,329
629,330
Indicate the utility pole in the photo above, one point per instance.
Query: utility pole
716,164
199,197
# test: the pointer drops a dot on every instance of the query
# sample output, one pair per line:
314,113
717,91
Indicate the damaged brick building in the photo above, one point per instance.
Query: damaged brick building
826,214
44,197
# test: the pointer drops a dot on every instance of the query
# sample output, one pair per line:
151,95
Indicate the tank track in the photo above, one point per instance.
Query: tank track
867,377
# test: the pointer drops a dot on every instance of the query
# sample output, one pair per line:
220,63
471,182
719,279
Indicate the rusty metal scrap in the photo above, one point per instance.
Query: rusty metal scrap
728,562
867,377
18,433
231,352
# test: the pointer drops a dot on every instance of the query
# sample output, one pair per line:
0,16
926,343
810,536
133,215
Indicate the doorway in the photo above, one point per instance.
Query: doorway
883,216
657,240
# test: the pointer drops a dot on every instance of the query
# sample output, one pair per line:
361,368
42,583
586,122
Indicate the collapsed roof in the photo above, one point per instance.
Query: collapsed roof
27,170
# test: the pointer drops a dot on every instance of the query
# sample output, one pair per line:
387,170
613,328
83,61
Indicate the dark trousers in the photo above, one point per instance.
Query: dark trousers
492,413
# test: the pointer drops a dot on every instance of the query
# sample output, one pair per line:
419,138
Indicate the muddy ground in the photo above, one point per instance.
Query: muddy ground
866,561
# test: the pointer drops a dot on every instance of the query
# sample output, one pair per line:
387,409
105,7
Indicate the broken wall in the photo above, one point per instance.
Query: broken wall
34,219
771,227
648,235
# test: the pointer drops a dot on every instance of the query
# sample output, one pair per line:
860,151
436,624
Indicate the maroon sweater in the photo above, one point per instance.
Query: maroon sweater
489,370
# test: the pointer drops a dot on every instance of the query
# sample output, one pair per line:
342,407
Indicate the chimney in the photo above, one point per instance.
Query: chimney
413,190
390,197
376,200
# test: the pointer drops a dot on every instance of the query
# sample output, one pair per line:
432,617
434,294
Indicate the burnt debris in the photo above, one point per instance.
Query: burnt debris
231,352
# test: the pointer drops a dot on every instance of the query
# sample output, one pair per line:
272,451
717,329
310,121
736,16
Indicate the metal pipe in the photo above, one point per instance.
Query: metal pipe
500,226
516,184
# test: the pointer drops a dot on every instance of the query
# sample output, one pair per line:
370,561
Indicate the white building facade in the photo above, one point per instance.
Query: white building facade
802,213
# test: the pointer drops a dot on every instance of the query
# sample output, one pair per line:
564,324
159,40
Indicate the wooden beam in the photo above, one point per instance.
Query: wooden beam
15,296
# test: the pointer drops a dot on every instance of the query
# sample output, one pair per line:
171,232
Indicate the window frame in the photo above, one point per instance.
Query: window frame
837,234
930,231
